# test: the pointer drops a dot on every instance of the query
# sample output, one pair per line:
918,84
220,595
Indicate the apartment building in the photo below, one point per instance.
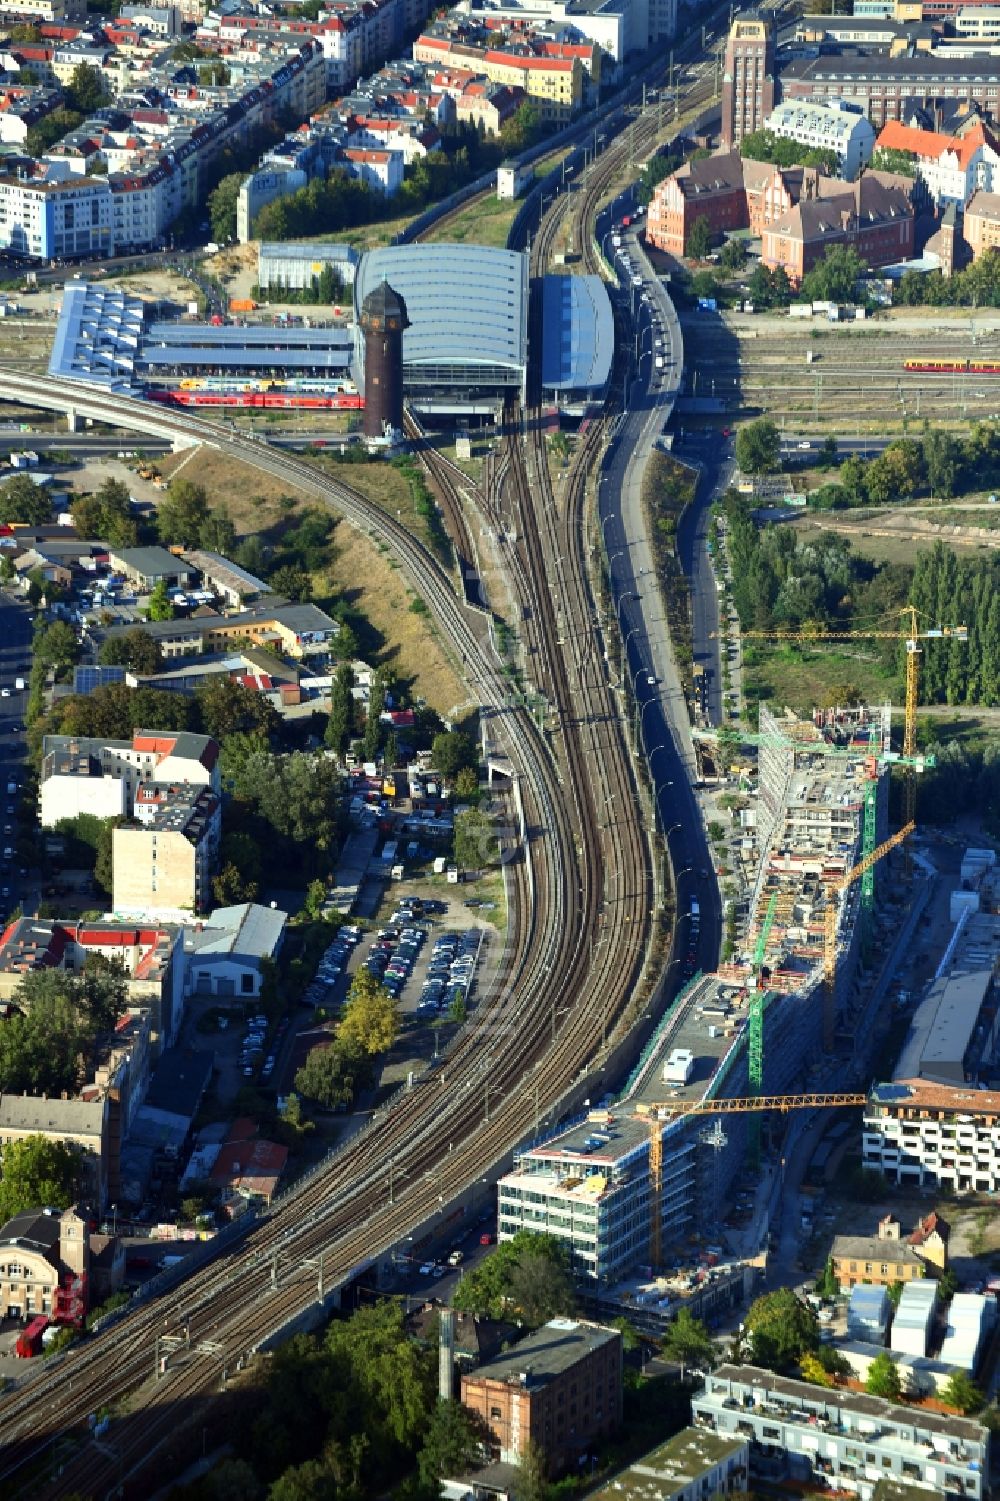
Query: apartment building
691,1466
165,857
748,90
827,126
949,169
81,1123
47,220
101,777
846,1441
559,1389
554,84
981,223
151,958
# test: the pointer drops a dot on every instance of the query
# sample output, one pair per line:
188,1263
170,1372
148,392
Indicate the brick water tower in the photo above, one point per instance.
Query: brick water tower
383,319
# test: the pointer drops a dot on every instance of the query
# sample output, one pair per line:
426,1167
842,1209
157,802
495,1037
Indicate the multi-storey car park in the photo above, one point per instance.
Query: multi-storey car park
603,1186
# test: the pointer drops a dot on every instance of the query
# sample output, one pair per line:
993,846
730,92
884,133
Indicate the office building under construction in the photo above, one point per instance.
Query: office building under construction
625,1184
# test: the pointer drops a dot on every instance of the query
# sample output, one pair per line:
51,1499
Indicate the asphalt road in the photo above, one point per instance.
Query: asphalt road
15,661
661,706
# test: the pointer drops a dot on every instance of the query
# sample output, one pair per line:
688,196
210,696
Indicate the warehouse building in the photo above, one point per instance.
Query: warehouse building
970,1317
914,1317
466,347
842,1440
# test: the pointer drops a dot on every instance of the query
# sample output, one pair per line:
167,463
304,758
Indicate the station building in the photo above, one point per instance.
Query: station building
578,341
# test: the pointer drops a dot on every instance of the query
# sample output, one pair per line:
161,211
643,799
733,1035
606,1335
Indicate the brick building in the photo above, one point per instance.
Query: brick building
874,215
748,94
561,1389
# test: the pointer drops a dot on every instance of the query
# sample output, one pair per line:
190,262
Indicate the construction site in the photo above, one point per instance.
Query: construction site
675,1161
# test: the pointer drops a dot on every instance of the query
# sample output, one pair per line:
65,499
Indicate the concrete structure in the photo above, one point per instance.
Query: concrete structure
560,1388
911,1326
382,321
949,169
164,859
101,777
226,952
293,267
868,1314
748,79
692,1465
828,126
43,1263
846,1441
447,290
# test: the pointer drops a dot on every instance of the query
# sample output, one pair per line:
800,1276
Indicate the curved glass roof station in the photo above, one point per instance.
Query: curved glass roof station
468,311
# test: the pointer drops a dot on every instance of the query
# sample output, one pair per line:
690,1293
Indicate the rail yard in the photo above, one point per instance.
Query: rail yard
583,905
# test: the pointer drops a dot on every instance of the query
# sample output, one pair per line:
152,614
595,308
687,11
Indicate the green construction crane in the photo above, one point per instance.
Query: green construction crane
765,933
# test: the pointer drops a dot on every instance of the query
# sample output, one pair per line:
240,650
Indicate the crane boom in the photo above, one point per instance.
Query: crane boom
746,1105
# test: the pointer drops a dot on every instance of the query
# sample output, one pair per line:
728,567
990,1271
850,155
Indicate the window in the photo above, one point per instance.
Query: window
494,1413
246,984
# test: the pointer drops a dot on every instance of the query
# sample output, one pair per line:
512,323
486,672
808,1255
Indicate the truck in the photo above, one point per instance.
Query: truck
695,908
29,1341
19,684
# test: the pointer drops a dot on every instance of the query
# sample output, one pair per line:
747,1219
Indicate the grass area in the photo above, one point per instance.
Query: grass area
884,544
361,573
485,221
800,679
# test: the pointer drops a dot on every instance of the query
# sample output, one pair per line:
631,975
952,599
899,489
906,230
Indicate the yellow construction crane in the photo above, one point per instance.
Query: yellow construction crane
911,633
745,1105
830,925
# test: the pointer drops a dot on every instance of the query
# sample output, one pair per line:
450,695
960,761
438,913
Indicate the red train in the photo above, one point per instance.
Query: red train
334,401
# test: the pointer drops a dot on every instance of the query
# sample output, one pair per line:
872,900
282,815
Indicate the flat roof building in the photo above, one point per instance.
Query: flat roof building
578,338
690,1466
466,346
289,267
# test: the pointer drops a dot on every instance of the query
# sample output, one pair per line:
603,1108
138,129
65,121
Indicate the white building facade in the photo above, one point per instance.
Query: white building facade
830,126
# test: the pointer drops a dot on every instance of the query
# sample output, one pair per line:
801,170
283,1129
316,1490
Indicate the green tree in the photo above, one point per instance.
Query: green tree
733,255
370,1022
373,718
941,460
50,129
160,605
758,445
222,203
135,649
231,887
827,1283
768,288
341,708
182,514
107,513
35,1172
453,1443
475,840
961,1391
55,645
895,1291
883,1378
835,276
486,1290
104,871
293,583
688,1341
231,708
947,1284
218,533
24,502
466,784
540,1288
532,1484
811,1369
450,751
331,1076
890,159
86,91
779,1329
699,240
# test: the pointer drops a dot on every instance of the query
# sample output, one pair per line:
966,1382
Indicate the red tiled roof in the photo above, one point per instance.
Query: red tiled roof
928,143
